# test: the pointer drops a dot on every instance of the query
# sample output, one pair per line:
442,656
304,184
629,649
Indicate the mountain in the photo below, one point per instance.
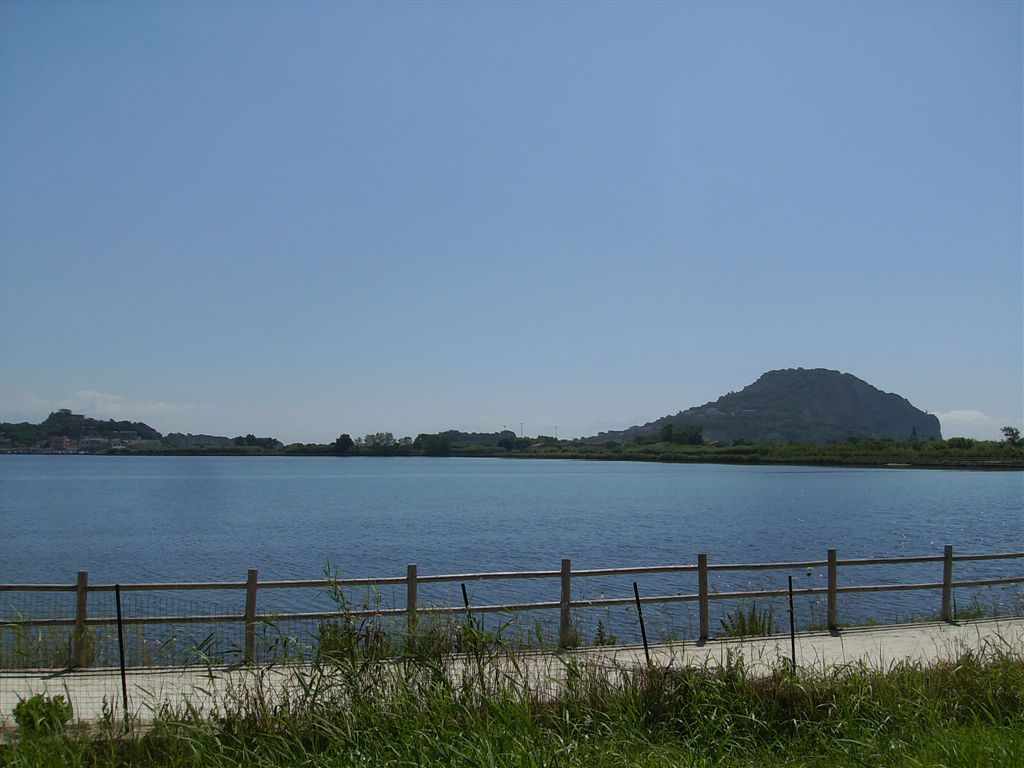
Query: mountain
798,405
64,423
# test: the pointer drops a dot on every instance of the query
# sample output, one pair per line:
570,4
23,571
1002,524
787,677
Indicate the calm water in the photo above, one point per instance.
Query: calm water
210,518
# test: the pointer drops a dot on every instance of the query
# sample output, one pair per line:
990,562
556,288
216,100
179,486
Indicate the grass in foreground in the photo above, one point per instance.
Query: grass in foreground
492,708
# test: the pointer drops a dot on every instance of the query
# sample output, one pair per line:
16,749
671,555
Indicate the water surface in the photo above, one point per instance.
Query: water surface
128,519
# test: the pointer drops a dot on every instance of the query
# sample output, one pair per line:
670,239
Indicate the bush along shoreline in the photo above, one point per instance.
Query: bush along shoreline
930,454
65,433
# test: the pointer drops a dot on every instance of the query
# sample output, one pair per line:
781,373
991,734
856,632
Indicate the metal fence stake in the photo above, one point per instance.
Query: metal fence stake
80,650
410,604
564,623
792,626
702,595
947,583
251,585
465,602
643,629
120,650
833,583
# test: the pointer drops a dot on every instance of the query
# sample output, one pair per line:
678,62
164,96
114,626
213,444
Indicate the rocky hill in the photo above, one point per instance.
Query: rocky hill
798,405
64,423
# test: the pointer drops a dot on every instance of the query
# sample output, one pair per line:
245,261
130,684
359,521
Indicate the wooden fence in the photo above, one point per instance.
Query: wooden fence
565,605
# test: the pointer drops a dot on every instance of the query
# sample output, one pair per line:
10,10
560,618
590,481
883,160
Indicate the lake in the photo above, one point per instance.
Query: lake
128,519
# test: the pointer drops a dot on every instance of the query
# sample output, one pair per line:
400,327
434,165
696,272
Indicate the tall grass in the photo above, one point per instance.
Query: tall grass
489,706
749,622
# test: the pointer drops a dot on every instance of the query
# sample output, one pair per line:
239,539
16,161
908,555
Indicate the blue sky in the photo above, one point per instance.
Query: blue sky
306,219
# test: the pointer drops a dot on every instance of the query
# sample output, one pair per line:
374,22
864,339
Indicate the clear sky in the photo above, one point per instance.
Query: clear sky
302,219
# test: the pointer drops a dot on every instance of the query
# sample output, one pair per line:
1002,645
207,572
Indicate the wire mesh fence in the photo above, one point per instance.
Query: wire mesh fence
225,624
26,646
185,647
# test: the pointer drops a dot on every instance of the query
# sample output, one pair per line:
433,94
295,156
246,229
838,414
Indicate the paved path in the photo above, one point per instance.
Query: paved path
93,691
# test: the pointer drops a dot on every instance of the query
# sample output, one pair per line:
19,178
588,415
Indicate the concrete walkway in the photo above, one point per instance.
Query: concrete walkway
92,692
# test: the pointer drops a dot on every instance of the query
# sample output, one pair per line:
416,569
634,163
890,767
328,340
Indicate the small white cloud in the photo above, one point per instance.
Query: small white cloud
92,403
111,406
971,423
966,418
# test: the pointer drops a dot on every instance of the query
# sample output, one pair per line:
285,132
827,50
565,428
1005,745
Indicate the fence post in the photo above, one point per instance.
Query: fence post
947,583
410,604
250,615
702,594
80,649
564,624
833,583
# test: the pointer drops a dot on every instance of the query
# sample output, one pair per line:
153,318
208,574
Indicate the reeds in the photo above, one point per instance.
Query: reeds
749,622
489,705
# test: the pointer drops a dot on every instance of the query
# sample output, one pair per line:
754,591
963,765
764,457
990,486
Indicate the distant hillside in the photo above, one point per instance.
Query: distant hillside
187,441
798,405
455,437
64,423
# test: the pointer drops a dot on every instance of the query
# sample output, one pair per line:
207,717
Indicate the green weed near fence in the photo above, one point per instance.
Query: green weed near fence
749,622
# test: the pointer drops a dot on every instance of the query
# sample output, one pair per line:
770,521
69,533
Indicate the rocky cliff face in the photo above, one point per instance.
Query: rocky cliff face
805,405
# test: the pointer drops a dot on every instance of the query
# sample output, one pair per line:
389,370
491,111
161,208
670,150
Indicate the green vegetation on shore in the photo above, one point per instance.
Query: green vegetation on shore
786,400
794,416
954,453
675,445
486,708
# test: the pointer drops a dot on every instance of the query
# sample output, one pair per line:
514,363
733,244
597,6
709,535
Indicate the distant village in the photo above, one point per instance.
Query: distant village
64,432
82,435
87,444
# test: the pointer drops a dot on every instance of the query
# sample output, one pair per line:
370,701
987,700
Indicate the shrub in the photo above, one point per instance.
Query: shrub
42,714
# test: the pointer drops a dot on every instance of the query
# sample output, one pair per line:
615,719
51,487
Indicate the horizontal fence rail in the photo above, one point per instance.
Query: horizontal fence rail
251,618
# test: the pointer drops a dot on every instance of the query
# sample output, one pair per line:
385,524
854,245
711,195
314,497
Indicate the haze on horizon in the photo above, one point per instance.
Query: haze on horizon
301,219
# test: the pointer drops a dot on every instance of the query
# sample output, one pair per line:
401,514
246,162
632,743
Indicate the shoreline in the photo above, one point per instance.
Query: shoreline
981,464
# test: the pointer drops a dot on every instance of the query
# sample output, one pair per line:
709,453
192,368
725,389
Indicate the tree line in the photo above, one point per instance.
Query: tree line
672,443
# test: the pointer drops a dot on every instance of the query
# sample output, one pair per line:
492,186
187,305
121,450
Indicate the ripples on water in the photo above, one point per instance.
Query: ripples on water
129,519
